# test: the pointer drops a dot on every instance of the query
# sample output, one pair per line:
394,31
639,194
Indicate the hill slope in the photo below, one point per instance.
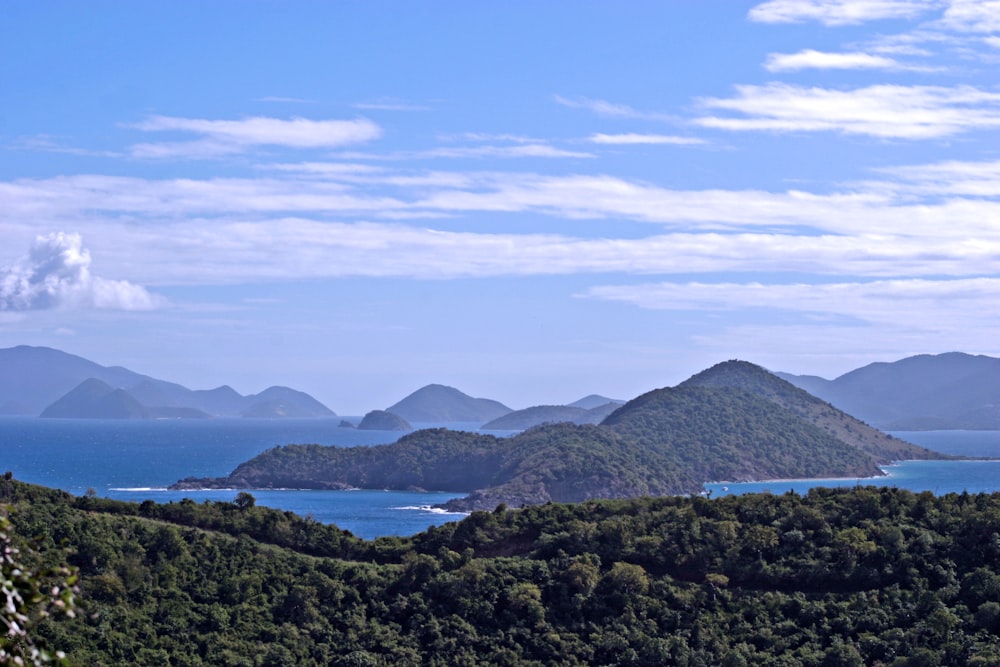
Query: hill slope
754,379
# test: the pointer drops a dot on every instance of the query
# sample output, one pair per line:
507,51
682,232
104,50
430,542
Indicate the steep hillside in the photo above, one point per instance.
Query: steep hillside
437,403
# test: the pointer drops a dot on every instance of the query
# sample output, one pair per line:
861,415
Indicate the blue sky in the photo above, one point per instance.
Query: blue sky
530,201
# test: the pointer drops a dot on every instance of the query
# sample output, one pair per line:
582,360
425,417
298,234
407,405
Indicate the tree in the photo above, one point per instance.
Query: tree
28,596
244,500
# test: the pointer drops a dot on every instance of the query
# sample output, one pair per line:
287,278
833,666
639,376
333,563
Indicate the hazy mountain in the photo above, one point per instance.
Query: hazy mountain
284,402
594,401
944,391
551,414
34,378
94,399
438,403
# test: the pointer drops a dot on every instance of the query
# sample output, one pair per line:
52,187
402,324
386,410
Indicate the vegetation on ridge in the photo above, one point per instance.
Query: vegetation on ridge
861,576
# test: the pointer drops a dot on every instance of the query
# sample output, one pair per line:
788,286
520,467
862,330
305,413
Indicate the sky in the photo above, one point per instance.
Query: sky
528,201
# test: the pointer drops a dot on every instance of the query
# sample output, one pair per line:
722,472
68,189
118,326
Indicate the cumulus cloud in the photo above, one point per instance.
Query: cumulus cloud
56,274
886,111
222,137
839,12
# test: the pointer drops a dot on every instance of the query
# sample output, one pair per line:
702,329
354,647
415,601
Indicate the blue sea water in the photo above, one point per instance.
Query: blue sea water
939,477
136,460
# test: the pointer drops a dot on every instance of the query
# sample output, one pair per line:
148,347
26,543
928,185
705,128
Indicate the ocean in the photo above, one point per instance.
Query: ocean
137,460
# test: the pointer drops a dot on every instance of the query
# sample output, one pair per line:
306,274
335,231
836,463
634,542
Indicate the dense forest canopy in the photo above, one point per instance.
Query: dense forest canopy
863,576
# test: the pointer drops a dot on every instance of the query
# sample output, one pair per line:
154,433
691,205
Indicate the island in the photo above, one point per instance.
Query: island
733,422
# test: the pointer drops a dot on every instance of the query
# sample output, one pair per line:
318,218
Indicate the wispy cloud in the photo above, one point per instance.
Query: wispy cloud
285,100
810,59
56,274
840,12
632,138
611,109
886,111
390,105
222,137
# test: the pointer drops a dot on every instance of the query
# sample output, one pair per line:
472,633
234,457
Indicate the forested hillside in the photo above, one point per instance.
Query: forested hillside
860,576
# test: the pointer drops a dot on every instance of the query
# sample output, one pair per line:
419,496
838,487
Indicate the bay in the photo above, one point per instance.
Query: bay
137,460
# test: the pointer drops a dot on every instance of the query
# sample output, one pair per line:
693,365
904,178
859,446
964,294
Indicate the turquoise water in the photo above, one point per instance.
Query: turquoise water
136,460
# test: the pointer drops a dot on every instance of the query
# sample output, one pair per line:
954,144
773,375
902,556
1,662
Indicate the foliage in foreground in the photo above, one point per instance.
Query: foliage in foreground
861,576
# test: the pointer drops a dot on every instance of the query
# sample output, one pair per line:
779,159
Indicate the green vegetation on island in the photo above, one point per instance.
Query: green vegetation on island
861,576
734,422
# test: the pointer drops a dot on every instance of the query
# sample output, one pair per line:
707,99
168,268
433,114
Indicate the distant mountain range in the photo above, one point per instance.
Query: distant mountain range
735,421
41,381
925,392
945,391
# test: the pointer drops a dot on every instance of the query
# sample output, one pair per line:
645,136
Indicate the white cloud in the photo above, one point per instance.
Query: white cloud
228,252
886,111
839,12
810,59
635,139
951,178
388,194
222,137
973,301
981,16
611,109
516,151
56,274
